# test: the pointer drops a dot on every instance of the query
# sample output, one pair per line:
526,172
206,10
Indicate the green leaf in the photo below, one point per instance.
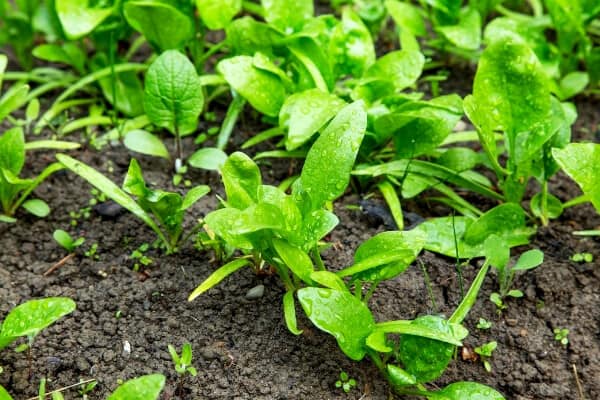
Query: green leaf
295,259
424,358
287,15
217,276
13,99
529,260
147,387
467,33
263,89
337,146
510,93
68,54
305,113
31,317
328,280
3,64
453,333
289,312
216,14
581,161
64,239
507,217
12,150
193,195
209,158
111,190
3,393
351,49
407,17
128,90
164,26
241,178
340,314
554,206
465,391
573,83
173,93
79,19
144,142
37,207
407,245
399,377
316,225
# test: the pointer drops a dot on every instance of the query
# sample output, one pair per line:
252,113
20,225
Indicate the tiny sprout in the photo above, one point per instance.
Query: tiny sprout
91,253
497,300
183,362
561,335
66,241
485,352
345,382
484,324
582,257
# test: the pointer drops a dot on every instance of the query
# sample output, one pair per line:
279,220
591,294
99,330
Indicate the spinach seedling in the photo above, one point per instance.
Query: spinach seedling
182,363
64,239
14,191
345,382
274,229
485,352
160,210
561,335
582,257
147,387
484,324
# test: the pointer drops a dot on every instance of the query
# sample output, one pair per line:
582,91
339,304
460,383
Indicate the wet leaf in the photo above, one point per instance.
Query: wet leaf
287,15
466,391
146,387
217,14
79,19
241,178
581,161
144,142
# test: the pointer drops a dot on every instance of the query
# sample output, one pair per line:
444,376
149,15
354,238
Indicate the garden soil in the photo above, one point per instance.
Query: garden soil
242,349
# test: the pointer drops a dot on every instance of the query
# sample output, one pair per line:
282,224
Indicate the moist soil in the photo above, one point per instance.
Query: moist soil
242,348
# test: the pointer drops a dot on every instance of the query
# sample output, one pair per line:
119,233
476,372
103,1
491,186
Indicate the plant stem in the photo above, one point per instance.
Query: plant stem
317,257
457,265
429,288
233,112
576,201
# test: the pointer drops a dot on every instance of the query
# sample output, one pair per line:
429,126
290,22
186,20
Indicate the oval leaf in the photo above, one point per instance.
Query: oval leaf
144,142
146,387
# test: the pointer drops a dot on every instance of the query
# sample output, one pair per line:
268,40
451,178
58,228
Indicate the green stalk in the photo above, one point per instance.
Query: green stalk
576,201
469,300
235,108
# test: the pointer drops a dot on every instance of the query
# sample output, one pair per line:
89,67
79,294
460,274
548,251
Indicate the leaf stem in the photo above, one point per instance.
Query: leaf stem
233,112
576,201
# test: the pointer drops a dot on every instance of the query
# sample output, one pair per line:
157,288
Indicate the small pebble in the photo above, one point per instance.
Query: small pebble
126,349
256,292
109,209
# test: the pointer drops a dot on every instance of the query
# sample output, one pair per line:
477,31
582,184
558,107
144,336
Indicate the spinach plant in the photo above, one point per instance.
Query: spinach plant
67,241
532,124
147,387
30,318
14,191
280,230
182,363
162,211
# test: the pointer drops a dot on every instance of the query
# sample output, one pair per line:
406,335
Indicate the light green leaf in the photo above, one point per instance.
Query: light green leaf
3,393
287,15
399,377
64,239
263,90
337,146
193,195
209,158
340,314
144,142
529,260
241,178
163,25
12,150
465,391
508,217
467,33
289,312
573,83
147,387
295,259
216,14
328,280
37,207
305,113
581,161
31,317
13,99
351,47
173,93
218,276
79,19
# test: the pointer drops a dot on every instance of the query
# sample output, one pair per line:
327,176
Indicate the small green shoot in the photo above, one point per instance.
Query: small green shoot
561,335
183,362
485,352
582,257
91,253
64,239
483,324
345,382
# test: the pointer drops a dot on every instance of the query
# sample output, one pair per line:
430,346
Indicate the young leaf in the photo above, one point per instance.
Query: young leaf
465,391
337,145
507,217
289,312
467,33
295,259
144,142
399,377
164,26
12,150
64,239
193,195
37,207
147,387
305,113
287,15
241,178
216,14
263,89
79,19
328,280
424,358
581,161
31,317
529,260
13,99
173,93
217,276
340,314
209,158
351,46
